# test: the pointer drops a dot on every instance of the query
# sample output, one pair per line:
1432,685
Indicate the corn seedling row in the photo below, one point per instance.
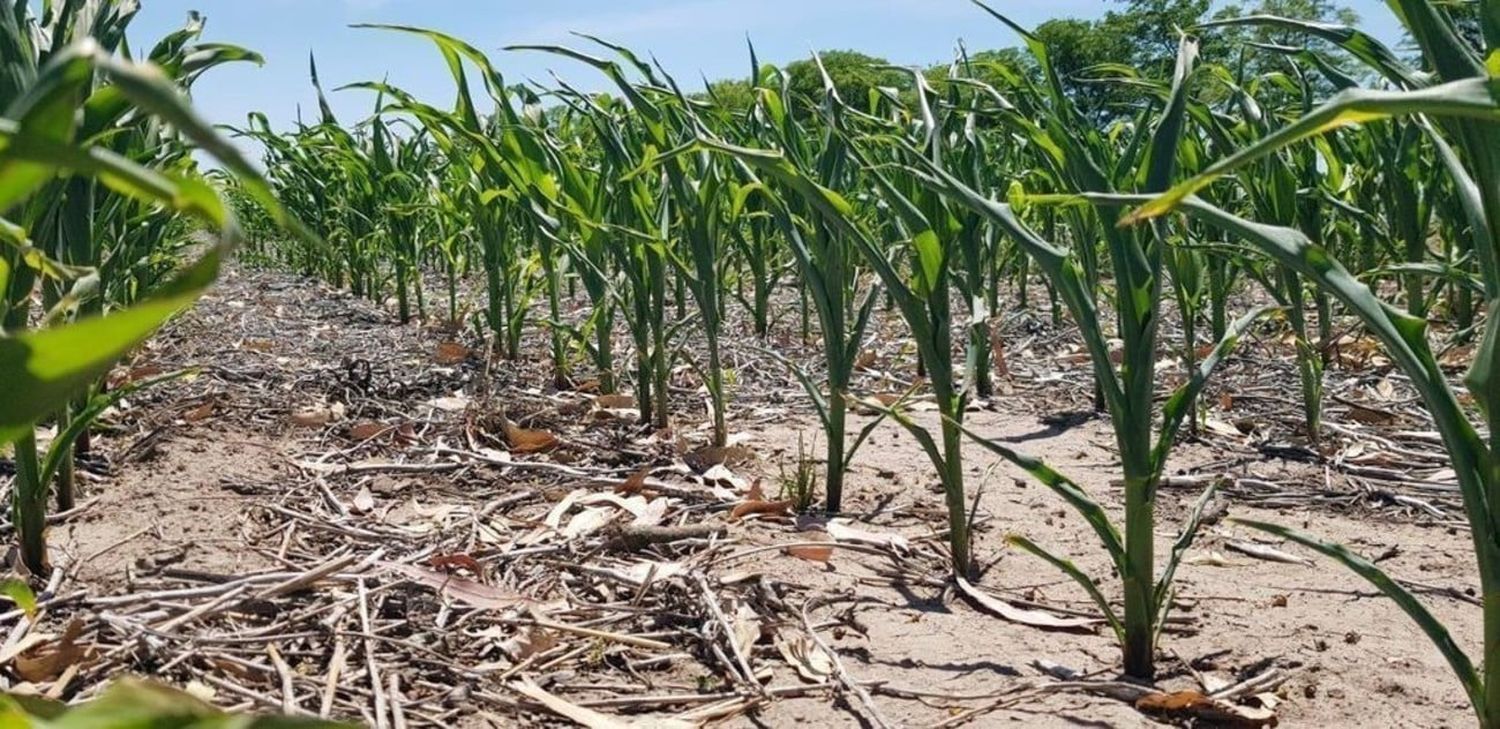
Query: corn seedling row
1334,179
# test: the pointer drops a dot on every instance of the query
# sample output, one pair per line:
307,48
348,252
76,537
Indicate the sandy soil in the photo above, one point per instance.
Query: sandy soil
192,488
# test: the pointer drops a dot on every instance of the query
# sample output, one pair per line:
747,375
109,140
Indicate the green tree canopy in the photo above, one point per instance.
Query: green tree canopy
855,75
1087,54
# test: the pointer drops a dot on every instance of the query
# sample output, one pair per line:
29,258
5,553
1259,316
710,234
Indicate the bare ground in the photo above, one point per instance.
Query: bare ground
235,473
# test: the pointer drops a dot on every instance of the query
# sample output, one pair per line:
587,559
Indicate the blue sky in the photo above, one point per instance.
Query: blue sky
688,36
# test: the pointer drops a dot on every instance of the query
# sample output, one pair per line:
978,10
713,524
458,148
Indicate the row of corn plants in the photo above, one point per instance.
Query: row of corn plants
668,208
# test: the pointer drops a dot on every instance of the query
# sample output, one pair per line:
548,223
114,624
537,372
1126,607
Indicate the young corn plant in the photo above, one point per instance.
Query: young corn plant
638,216
581,202
757,257
912,253
1277,194
1462,98
825,261
698,186
42,134
511,192
125,243
1137,261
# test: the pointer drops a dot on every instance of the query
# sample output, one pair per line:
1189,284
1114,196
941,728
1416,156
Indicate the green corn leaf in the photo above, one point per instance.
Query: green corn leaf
1357,43
43,369
1409,604
455,52
1059,264
930,259
1403,336
46,112
1431,27
1180,405
1065,487
1483,379
865,432
814,392
1185,539
1083,580
924,438
138,703
20,593
81,421
323,106
1474,98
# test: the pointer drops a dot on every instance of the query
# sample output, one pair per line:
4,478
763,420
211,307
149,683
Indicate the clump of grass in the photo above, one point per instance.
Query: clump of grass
800,483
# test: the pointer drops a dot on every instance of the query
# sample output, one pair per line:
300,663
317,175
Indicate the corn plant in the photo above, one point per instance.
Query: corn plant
1462,98
71,219
923,232
759,254
511,189
637,215
698,185
1137,260
580,200
826,262
1277,193
41,133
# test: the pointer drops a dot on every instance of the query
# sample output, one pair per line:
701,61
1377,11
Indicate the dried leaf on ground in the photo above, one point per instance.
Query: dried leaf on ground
453,403
702,459
1269,554
1370,416
528,643
364,501
523,440
1194,706
588,717
750,508
121,377
840,531
654,513
747,629
1210,558
1024,616
636,505
450,562
451,353
811,553
635,484
317,416
554,516
615,402
367,430
199,413
466,591
721,478
45,663
642,572
587,522
805,657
